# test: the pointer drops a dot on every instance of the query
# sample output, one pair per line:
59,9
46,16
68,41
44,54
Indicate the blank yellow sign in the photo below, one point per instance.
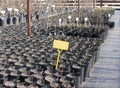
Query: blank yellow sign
60,44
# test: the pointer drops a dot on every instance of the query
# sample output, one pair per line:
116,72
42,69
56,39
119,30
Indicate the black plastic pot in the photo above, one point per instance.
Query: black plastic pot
37,17
86,67
111,24
14,20
8,20
1,22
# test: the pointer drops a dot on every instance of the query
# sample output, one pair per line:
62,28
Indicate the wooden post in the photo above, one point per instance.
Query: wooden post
93,3
28,18
101,3
78,8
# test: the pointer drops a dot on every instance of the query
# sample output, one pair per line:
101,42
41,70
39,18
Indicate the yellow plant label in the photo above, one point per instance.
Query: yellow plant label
63,45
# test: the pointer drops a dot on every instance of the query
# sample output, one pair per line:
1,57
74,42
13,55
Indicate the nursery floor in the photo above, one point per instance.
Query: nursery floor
106,71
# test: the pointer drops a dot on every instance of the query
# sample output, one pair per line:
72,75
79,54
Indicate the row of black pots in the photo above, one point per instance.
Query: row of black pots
93,17
47,73
24,52
68,77
93,32
54,19
29,56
